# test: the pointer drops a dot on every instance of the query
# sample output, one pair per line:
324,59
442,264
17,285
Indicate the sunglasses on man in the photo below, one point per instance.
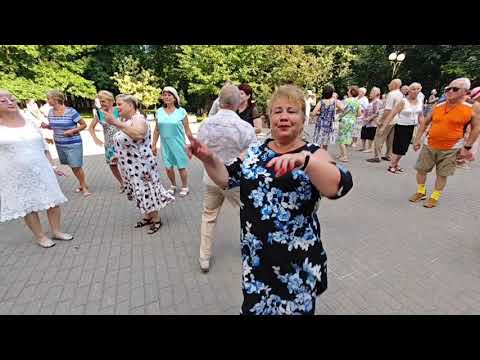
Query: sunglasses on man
454,88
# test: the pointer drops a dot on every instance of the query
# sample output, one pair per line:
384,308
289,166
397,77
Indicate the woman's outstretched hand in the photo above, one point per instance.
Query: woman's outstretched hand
286,163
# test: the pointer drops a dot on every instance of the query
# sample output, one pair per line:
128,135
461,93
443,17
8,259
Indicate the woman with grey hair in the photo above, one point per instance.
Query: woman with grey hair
369,118
136,163
27,174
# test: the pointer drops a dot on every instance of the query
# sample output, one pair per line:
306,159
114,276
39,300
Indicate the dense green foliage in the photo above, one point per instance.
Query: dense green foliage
198,71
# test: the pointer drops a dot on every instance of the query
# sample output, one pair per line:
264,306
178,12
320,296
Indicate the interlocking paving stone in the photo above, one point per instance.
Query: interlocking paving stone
385,255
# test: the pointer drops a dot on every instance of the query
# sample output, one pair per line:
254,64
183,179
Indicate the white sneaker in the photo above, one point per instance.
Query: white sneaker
204,264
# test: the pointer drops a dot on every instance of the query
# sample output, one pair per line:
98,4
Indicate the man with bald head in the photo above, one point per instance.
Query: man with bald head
445,139
227,135
385,130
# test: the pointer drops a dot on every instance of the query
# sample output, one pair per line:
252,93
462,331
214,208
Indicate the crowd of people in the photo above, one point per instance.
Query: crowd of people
275,184
448,127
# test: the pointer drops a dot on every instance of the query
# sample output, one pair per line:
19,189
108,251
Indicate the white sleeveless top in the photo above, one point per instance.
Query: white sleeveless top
409,113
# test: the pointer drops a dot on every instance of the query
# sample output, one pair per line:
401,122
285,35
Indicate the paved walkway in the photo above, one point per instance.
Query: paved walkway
386,256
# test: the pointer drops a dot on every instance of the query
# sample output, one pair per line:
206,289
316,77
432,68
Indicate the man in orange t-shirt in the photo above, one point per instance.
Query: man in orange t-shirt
445,140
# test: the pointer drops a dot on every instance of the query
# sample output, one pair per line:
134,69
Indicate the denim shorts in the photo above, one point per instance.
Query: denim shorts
71,155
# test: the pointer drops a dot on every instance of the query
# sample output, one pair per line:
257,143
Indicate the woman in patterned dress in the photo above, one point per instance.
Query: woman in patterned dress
281,180
137,165
106,102
325,110
347,122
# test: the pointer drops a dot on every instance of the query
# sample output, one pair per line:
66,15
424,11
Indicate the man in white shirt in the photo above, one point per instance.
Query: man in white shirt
385,131
227,135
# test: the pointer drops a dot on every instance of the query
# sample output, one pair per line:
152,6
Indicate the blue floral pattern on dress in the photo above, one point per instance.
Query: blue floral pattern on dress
284,265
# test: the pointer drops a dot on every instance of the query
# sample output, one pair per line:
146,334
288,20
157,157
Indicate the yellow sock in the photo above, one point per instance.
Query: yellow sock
436,194
421,189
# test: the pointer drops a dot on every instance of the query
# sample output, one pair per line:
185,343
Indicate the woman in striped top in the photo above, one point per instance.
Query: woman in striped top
66,124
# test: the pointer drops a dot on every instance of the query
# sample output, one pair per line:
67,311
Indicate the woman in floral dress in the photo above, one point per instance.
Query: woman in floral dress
106,102
347,122
325,109
284,263
137,165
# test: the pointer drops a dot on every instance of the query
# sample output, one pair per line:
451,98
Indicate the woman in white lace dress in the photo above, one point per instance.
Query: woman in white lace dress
27,177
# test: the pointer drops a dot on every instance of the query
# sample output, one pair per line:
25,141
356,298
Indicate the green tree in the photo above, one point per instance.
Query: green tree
264,67
31,70
133,79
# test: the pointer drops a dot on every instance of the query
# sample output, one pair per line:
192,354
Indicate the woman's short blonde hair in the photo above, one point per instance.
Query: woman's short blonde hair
105,95
292,93
56,95
7,93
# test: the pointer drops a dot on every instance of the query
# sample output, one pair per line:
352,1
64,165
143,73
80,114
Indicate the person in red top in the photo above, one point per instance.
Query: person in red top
445,139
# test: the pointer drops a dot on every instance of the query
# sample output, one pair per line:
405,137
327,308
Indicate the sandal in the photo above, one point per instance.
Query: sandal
392,169
143,222
155,227
78,190
45,243
400,170
184,192
63,236
172,189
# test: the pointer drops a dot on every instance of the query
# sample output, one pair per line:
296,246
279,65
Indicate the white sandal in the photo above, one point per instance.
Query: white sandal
45,242
184,192
63,236
172,189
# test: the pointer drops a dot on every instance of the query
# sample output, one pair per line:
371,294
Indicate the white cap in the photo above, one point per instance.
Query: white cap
172,90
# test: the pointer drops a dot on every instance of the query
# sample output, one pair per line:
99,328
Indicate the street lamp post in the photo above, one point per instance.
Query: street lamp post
396,59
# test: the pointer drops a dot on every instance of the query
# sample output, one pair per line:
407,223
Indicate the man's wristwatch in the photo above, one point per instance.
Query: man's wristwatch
467,147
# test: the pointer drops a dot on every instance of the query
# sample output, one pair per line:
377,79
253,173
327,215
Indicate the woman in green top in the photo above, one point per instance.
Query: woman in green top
347,122
172,125
106,102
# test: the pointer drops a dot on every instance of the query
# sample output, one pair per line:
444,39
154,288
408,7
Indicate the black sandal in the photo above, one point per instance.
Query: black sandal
155,227
392,169
143,222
